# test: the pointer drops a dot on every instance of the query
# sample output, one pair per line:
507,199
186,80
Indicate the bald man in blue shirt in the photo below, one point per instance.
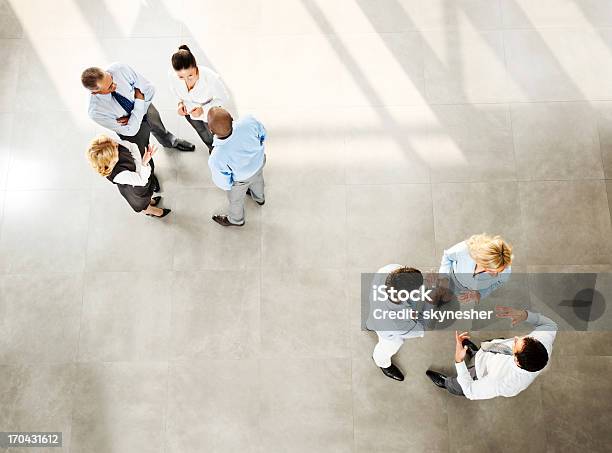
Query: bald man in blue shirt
237,162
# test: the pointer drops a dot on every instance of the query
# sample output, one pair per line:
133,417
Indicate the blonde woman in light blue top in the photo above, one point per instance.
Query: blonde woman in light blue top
476,267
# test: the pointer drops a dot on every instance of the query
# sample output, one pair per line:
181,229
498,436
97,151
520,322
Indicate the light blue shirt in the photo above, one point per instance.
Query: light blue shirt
457,261
239,156
105,110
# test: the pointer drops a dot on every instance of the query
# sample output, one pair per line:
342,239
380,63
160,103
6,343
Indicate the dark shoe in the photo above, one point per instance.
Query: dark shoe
184,145
164,214
224,221
437,378
472,349
156,186
250,194
393,372
155,201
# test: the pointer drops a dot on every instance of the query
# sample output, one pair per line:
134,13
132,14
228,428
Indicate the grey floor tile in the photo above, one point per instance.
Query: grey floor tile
396,150
139,243
119,407
304,313
34,167
41,317
604,123
395,57
552,64
287,229
213,406
44,231
45,65
470,69
574,214
215,315
152,19
302,153
577,415
551,13
6,129
126,316
37,398
461,210
389,224
476,144
10,51
556,141
391,416
10,26
306,405
200,243
500,429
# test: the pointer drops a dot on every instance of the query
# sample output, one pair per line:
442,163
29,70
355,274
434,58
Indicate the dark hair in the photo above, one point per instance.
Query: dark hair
404,278
533,357
183,59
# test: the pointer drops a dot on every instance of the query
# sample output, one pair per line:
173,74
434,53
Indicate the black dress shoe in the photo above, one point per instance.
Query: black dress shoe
472,349
393,372
224,221
156,186
164,214
250,194
156,200
437,378
184,145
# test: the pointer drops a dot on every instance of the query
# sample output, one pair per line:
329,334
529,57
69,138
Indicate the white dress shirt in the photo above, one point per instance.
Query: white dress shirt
105,110
208,91
498,374
404,329
140,177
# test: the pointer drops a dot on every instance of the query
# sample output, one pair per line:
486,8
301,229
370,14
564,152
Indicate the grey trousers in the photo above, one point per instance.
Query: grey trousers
203,131
151,124
452,385
237,194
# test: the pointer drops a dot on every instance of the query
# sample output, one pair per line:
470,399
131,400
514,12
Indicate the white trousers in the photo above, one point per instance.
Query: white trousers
385,349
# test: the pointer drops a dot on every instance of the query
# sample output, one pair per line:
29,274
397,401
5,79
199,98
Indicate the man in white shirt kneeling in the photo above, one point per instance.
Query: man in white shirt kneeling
503,367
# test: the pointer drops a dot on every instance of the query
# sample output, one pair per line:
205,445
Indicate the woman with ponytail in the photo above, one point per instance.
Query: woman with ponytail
197,89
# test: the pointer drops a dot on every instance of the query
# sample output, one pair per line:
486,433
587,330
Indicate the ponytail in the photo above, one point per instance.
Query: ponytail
183,59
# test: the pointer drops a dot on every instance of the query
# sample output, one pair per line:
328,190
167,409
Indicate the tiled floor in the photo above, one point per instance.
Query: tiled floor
396,128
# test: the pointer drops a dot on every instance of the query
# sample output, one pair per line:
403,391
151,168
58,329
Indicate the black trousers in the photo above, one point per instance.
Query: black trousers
151,124
201,127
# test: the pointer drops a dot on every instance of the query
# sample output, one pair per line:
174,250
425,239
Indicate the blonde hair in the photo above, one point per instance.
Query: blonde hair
492,252
103,154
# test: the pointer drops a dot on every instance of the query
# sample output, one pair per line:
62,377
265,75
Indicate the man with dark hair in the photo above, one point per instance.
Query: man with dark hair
121,100
390,313
502,367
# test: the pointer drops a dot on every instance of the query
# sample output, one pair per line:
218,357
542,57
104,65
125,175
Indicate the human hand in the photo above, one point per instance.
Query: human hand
182,110
517,316
460,350
123,120
196,112
150,151
469,296
138,94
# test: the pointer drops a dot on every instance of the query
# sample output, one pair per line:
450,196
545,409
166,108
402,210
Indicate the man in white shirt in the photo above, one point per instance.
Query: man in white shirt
121,100
503,367
389,316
